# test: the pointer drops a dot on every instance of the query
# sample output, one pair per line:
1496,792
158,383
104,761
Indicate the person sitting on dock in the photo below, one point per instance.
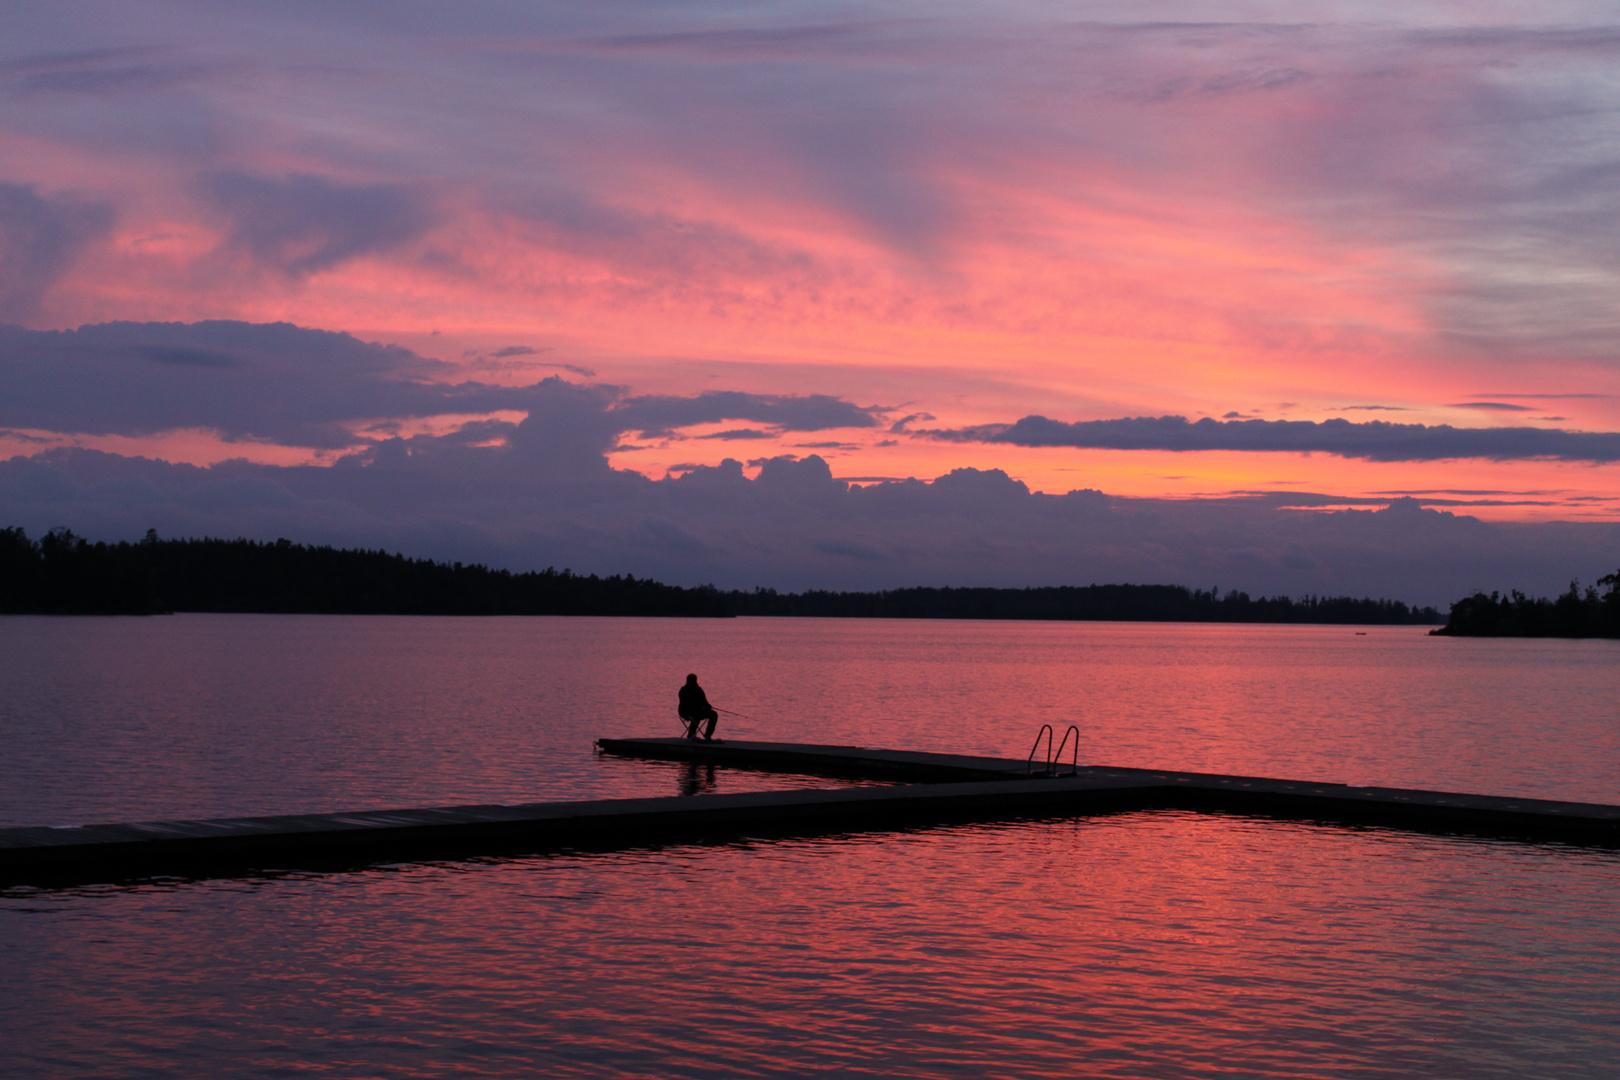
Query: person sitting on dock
695,709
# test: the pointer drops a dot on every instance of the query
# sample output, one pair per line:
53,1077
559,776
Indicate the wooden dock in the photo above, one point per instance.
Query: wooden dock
936,788
1400,807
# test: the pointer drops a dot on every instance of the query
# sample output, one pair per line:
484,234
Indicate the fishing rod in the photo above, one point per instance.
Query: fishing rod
730,712
718,709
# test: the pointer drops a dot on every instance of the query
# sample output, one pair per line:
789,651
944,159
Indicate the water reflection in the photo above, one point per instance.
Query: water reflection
1146,945
1138,945
226,715
697,779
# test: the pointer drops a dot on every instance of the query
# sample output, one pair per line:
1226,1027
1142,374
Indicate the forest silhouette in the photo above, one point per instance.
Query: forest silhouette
1577,613
68,575
65,574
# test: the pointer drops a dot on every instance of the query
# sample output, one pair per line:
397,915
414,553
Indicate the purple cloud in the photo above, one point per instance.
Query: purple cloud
546,497
302,224
740,433
540,491
313,388
40,237
658,416
1372,440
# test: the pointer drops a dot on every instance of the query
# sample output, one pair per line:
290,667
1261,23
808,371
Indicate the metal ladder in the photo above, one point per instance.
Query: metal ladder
1054,762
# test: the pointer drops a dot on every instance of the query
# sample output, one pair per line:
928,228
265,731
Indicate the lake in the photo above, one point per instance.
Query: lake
1138,945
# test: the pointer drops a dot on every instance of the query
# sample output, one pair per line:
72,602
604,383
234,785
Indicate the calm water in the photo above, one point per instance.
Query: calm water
1143,945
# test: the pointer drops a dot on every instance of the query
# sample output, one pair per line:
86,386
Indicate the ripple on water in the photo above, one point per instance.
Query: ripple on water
1144,945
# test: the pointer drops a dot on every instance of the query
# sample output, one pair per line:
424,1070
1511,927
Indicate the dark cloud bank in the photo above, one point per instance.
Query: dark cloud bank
539,492
1372,440
286,385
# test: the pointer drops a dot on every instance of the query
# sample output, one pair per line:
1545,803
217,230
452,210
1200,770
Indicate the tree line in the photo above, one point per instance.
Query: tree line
62,573
1133,603
66,574
1578,613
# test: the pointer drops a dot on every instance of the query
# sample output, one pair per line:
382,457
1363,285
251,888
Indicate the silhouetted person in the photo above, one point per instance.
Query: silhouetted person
695,709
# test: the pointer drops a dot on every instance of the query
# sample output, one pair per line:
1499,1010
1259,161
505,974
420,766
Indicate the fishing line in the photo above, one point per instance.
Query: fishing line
716,708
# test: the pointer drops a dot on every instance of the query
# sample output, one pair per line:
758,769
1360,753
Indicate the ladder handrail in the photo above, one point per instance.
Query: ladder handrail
1057,758
1046,730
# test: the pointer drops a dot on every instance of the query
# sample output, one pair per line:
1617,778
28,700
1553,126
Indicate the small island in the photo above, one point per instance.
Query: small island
1578,613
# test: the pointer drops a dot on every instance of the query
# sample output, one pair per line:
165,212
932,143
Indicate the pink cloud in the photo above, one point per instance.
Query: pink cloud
1185,217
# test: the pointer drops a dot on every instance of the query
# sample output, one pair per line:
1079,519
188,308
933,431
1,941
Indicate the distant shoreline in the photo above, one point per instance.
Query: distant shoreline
66,574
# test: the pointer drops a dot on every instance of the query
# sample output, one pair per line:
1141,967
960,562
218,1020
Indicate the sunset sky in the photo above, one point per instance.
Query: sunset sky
1263,266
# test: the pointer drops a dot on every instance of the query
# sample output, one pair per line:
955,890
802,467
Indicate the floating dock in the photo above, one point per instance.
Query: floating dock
1409,808
935,789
